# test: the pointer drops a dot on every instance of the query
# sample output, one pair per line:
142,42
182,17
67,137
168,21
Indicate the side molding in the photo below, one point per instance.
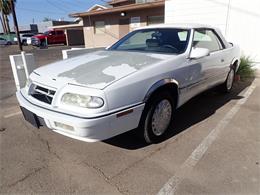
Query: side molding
157,85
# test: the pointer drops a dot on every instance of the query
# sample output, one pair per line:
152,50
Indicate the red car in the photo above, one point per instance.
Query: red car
49,37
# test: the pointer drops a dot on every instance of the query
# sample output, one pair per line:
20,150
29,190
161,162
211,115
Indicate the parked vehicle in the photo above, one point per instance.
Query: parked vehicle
25,38
49,37
136,83
5,42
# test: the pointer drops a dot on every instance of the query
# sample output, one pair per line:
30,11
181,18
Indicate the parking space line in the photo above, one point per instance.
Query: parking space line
12,114
171,186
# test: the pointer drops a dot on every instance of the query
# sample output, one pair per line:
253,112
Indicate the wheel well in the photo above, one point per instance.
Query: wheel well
235,65
171,87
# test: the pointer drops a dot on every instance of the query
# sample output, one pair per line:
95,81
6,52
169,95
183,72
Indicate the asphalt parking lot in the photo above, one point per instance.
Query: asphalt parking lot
214,148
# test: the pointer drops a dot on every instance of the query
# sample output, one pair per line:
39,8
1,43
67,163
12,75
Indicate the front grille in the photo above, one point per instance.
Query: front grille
41,93
34,41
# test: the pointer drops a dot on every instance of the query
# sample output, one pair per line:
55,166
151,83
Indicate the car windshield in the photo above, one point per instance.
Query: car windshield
28,35
165,40
46,33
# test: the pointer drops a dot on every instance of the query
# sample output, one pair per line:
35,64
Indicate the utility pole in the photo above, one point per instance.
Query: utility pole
16,26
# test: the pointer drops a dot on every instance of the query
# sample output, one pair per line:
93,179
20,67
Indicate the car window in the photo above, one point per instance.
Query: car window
204,38
183,35
137,41
28,35
1,39
59,32
49,33
164,40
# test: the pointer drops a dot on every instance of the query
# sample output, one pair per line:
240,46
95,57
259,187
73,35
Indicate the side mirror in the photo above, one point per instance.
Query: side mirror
197,53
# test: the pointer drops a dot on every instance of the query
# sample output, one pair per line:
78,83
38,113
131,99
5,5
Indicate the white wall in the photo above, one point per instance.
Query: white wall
239,20
244,26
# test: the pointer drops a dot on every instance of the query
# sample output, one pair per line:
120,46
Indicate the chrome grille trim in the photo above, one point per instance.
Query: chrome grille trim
42,94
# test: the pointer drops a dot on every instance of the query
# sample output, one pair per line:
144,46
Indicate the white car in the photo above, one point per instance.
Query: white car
4,41
25,38
137,83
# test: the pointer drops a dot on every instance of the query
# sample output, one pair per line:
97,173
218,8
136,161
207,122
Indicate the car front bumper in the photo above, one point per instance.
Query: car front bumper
85,129
35,42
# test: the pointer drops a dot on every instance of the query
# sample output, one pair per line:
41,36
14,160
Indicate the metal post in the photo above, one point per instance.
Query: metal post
25,64
16,26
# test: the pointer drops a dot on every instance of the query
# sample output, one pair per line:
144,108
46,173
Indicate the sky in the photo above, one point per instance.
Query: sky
29,11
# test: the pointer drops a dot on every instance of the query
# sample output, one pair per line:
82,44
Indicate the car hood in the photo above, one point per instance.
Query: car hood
39,36
99,69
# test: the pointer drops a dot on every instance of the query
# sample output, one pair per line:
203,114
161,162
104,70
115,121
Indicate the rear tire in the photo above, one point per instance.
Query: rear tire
227,86
157,117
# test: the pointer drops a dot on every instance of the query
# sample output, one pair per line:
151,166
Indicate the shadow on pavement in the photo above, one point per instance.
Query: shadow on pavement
196,110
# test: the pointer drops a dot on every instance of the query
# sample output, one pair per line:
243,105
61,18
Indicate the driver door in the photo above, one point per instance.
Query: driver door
206,71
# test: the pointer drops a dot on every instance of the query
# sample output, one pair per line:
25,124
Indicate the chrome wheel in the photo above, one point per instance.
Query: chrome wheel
161,117
230,79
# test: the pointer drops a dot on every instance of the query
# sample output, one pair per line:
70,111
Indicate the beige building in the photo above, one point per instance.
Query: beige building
103,26
74,32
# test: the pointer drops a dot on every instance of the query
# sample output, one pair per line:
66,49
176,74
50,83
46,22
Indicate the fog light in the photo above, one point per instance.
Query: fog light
64,126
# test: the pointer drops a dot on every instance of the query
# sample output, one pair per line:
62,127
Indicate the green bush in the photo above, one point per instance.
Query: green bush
246,69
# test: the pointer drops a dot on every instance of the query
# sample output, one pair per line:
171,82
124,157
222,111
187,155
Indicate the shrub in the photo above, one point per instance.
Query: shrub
246,69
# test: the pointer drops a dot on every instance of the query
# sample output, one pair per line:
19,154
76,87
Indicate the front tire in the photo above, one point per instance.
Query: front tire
24,43
43,43
157,117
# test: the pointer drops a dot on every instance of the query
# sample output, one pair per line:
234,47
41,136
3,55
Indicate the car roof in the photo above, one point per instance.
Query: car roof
180,25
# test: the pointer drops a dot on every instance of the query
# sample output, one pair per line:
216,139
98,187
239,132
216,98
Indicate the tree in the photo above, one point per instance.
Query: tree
6,9
2,23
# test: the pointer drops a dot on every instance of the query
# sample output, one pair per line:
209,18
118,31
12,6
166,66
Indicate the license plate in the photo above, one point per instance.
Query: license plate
30,117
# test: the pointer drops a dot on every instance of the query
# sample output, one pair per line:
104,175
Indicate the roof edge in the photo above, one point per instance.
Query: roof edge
120,8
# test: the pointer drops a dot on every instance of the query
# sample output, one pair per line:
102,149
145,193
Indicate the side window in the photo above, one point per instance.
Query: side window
206,39
60,32
151,20
99,27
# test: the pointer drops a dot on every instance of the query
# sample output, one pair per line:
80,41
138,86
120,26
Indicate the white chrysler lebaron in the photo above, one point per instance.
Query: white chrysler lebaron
137,83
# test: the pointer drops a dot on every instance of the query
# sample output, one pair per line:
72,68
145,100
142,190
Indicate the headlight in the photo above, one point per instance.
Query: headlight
84,101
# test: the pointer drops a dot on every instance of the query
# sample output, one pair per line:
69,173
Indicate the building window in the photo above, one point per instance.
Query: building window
155,20
99,27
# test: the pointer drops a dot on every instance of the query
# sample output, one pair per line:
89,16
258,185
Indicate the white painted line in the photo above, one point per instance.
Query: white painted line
171,186
12,114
